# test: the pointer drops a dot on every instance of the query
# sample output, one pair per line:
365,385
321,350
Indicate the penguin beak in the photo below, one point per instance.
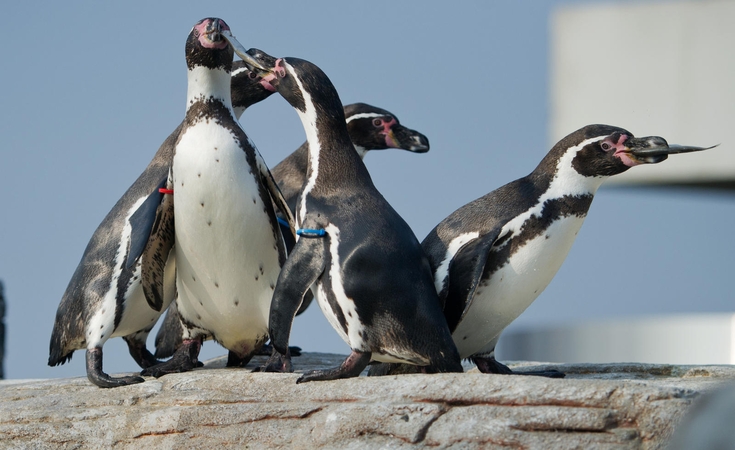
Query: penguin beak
240,50
408,139
654,149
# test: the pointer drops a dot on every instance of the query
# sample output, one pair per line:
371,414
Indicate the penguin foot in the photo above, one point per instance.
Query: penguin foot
267,349
277,363
382,369
355,363
491,365
235,361
140,354
101,379
184,359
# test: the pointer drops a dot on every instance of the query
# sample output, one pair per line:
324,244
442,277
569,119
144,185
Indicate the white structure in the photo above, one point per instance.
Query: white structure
673,339
665,69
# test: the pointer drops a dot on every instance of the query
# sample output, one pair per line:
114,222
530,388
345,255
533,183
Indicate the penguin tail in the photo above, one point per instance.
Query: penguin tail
56,358
58,351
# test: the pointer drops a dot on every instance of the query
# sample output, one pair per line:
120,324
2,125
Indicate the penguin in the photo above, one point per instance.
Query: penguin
494,256
369,274
104,297
222,225
247,88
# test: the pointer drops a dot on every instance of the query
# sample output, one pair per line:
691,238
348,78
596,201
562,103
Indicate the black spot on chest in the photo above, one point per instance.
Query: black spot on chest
535,226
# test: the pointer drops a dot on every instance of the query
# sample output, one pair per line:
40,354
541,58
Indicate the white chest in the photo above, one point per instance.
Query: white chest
226,253
514,286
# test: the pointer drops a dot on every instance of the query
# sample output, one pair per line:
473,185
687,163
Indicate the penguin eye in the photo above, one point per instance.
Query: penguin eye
605,146
252,75
378,122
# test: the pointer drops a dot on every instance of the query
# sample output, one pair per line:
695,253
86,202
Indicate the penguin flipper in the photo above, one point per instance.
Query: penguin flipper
465,273
154,258
141,223
302,268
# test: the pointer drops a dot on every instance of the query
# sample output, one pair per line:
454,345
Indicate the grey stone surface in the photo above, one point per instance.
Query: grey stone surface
621,406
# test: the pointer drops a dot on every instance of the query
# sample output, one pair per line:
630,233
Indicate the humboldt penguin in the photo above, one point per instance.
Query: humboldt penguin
369,274
494,256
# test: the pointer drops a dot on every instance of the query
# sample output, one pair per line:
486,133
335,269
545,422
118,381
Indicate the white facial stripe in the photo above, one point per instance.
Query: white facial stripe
308,120
363,116
205,83
237,71
102,323
567,181
442,272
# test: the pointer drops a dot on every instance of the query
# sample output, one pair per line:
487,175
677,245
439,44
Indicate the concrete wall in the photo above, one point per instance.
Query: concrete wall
673,339
663,68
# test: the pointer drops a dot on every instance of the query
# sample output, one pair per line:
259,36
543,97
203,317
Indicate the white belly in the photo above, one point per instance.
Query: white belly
226,252
511,289
137,313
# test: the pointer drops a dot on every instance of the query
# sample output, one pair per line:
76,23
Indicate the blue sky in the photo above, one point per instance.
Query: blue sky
91,90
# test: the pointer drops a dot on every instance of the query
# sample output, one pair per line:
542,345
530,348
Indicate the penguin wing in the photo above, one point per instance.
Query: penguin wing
465,273
141,223
158,246
276,194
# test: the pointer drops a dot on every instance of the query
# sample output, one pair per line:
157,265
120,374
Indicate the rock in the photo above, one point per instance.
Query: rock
621,406
709,424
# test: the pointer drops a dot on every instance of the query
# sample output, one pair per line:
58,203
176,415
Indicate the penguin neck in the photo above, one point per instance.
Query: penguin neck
562,178
330,146
208,84
331,155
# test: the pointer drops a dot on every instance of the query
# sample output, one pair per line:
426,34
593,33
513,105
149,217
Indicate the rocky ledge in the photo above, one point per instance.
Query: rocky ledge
621,406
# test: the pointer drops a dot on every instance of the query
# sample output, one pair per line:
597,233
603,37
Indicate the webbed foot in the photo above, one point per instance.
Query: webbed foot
491,365
184,359
355,363
277,363
101,379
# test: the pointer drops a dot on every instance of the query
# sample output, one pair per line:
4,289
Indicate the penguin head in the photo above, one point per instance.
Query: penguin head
603,150
248,85
373,128
206,45
297,79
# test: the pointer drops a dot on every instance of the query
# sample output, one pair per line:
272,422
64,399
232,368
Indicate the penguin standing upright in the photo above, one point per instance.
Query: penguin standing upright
223,227
492,257
370,276
104,298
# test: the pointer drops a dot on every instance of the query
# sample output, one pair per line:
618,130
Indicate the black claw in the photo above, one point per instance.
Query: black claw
101,379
